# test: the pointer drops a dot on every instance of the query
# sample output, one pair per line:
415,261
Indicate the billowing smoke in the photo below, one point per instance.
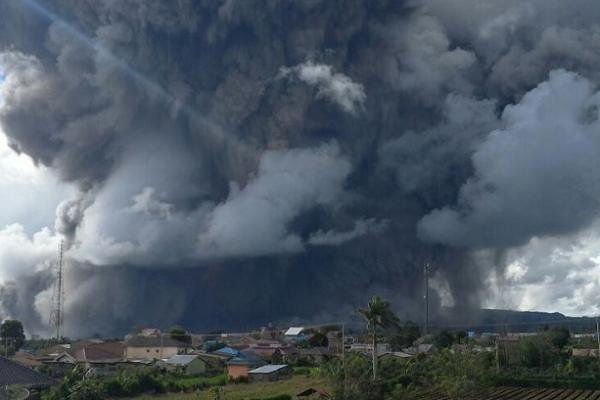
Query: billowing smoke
230,163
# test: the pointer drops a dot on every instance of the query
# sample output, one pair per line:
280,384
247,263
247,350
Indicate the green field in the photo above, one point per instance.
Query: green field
242,391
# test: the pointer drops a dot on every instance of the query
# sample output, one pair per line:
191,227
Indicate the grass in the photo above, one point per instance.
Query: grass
243,391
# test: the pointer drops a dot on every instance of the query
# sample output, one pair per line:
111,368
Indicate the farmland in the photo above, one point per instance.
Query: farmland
290,386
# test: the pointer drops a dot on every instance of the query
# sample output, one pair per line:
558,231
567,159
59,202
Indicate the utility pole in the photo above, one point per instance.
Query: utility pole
598,337
57,312
426,269
497,356
344,356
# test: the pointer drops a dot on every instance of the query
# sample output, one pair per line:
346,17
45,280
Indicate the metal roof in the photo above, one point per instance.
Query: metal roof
12,373
181,359
267,369
227,351
294,331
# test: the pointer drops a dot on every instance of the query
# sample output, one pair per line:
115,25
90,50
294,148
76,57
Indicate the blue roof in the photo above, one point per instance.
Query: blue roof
228,351
246,358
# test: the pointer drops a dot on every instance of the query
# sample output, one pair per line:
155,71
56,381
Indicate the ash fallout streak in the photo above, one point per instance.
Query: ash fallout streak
224,164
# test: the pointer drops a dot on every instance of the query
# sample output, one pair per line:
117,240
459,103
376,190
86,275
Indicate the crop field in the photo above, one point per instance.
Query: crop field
508,393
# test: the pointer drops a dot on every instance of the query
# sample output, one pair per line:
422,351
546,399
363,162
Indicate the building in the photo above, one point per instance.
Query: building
228,352
239,366
368,348
295,334
314,355
585,352
13,373
27,360
153,347
269,350
188,364
269,373
423,348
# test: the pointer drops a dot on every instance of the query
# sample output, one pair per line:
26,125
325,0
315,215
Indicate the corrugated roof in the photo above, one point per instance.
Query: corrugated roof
13,373
181,359
294,331
267,369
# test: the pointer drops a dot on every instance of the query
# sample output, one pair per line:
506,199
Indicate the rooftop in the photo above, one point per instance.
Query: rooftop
267,369
13,373
294,331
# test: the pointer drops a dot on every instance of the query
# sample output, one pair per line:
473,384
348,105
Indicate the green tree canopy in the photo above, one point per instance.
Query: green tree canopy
443,339
558,337
179,333
378,314
12,334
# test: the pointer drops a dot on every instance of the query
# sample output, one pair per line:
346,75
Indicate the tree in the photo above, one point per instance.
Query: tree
405,337
558,337
179,333
460,336
443,339
318,340
535,352
378,314
11,332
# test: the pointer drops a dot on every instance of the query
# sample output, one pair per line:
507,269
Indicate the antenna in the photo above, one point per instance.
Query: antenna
56,317
426,269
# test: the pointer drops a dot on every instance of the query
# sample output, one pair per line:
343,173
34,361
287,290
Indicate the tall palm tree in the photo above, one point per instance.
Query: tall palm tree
378,314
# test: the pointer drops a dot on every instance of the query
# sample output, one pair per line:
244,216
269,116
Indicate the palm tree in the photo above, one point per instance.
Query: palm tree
378,315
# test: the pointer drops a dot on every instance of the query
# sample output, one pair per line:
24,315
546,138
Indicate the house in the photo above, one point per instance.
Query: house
60,364
269,350
314,355
152,347
424,348
101,359
228,352
27,359
244,362
13,373
368,347
585,352
269,373
334,341
214,364
295,334
188,364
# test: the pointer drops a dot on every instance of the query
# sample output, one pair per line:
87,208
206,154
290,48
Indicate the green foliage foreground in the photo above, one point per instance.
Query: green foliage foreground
75,386
458,374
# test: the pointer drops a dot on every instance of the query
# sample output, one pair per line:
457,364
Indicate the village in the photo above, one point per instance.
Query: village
214,363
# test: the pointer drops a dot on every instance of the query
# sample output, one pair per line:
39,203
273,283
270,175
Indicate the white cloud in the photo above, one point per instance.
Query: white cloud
551,274
539,175
254,220
21,254
334,86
